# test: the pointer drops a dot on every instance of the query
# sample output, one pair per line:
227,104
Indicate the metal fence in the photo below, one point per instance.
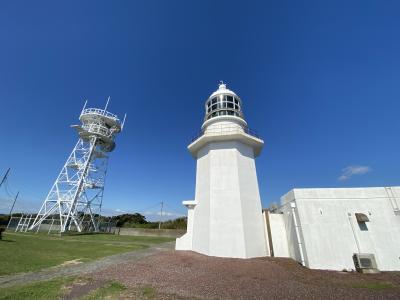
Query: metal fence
22,223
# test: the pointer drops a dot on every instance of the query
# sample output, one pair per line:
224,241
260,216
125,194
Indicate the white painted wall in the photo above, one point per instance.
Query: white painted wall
228,219
250,202
185,242
201,226
278,235
268,250
326,234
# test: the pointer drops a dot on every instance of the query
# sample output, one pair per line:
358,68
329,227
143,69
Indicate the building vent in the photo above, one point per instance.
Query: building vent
365,263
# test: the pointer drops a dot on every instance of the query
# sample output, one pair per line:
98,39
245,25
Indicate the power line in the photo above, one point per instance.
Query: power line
5,177
149,207
8,189
15,200
173,210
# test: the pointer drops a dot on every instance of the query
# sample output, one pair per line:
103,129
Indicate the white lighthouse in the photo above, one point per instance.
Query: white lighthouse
225,219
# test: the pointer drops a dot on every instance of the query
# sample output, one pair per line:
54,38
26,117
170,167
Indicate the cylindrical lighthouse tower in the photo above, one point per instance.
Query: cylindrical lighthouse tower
225,219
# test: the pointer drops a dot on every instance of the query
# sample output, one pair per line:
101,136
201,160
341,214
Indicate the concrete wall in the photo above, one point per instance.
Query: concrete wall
228,219
278,235
185,242
267,241
201,226
330,233
295,238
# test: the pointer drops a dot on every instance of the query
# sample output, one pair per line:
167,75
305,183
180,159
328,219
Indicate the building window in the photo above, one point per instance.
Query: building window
363,226
362,220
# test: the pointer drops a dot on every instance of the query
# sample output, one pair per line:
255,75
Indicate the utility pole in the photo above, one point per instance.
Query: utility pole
15,200
12,207
159,223
5,177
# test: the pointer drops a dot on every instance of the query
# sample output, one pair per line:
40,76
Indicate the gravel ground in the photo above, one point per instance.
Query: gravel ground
190,275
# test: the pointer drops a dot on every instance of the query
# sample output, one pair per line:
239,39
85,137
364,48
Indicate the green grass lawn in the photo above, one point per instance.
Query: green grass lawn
50,289
61,287
31,252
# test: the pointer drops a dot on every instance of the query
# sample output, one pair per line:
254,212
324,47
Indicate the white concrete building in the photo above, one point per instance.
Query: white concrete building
324,228
225,219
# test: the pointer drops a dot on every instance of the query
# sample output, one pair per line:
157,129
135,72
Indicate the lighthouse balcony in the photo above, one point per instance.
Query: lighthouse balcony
226,132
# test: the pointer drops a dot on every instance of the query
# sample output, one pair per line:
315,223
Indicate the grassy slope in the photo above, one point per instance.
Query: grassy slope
31,252
57,288
61,287
111,290
44,290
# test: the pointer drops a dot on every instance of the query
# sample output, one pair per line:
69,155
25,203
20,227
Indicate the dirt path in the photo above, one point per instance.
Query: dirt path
188,275
82,268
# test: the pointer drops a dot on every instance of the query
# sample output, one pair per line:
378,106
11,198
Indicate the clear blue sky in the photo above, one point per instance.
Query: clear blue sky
320,82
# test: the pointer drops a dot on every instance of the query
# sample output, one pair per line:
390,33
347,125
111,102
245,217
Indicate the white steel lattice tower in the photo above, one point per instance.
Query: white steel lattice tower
75,198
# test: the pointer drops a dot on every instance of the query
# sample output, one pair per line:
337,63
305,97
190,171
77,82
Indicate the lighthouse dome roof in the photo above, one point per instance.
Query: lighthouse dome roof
222,89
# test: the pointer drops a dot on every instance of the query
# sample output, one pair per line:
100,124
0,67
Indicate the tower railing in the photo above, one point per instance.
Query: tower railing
225,129
100,112
99,129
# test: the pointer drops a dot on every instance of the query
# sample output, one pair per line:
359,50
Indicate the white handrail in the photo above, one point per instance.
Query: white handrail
101,112
96,128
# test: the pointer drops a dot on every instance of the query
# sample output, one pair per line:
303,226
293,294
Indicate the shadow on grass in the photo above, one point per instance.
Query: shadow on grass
83,233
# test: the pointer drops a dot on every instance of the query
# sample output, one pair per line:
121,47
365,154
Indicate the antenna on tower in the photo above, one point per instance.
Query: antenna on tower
123,122
84,106
108,100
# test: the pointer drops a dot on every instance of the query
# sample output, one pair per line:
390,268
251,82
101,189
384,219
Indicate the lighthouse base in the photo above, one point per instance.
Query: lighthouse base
226,219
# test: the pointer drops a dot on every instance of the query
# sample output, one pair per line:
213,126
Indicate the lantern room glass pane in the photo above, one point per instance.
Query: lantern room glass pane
222,105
